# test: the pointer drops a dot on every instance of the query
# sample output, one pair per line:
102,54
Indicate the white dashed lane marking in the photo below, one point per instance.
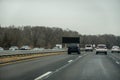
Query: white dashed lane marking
70,61
80,56
43,76
117,62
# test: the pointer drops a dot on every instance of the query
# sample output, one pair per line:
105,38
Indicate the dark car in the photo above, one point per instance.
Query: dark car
73,48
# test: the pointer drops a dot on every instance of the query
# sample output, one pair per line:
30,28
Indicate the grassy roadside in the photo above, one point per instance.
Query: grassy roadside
11,59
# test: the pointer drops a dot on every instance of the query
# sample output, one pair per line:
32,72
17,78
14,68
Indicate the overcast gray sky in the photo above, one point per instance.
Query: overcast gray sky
84,16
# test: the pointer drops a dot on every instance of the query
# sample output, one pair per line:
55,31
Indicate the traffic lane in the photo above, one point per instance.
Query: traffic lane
91,67
33,68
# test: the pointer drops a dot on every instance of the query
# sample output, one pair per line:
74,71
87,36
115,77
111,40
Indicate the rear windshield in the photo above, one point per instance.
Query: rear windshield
102,46
74,45
88,46
115,47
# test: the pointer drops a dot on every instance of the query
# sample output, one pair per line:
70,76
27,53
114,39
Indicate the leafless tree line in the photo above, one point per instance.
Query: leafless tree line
37,36
40,36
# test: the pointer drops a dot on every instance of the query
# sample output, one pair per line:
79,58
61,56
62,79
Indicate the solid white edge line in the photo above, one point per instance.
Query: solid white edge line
44,75
70,61
117,62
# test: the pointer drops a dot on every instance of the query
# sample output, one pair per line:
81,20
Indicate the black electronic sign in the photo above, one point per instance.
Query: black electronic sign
70,39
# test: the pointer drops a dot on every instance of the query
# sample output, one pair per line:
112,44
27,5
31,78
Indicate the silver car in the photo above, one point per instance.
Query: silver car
115,49
1,49
13,48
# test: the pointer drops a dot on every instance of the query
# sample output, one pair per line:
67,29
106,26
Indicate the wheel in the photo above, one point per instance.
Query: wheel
69,53
105,53
96,53
79,53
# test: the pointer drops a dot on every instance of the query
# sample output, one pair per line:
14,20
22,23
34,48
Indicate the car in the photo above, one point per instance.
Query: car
36,48
115,49
101,48
26,47
88,47
73,48
1,49
55,48
42,48
13,48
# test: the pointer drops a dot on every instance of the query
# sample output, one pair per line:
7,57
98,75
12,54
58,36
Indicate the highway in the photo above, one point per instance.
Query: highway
86,66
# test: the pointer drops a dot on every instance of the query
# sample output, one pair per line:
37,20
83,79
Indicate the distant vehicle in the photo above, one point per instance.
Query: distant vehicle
1,49
88,47
73,44
55,48
38,48
59,46
115,49
13,48
25,48
73,48
35,48
101,48
41,48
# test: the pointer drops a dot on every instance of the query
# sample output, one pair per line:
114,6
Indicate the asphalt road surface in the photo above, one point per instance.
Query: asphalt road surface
87,66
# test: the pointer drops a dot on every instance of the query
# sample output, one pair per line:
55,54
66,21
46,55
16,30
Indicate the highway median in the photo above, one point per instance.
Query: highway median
21,57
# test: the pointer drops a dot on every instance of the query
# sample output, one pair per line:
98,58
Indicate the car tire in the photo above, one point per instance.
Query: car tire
105,53
111,51
69,53
96,53
79,53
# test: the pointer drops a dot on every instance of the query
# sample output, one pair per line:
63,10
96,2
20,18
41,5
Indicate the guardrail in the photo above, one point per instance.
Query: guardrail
8,56
8,53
